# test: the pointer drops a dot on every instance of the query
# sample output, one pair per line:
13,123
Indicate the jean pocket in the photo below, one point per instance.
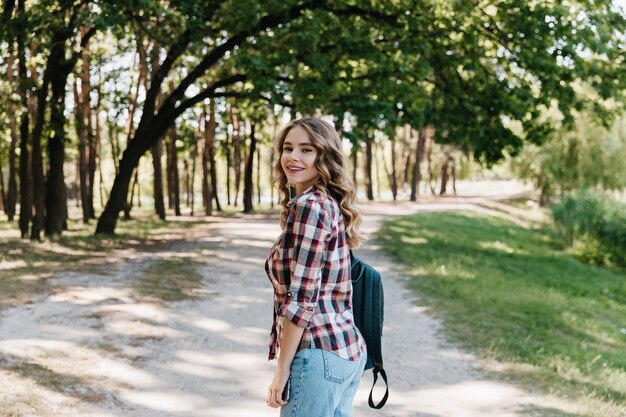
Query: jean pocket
336,369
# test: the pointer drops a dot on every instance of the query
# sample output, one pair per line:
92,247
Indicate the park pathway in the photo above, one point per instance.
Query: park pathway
91,347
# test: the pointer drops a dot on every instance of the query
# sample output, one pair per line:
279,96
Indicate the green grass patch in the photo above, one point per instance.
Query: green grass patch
510,293
170,280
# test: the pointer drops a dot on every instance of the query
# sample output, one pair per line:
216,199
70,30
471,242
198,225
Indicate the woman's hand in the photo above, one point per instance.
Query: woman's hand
276,388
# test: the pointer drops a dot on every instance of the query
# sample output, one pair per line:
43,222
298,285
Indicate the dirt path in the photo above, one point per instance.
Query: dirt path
93,348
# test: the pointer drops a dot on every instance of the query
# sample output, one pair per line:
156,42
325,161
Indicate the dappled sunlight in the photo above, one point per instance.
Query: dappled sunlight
413,240
91,295
138,328
466,399
167,401
148,311
501,247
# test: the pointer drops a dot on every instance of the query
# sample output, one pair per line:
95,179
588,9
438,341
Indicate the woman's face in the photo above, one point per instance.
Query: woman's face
298,159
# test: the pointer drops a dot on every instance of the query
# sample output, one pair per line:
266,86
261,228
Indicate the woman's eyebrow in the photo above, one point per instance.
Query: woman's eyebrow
300,144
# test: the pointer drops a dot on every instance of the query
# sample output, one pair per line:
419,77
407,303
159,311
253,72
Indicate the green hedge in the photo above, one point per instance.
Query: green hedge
595,226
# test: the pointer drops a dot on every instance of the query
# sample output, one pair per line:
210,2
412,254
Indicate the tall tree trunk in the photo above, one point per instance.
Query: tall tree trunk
405,156
355,160
143,73
393,183
55,182
157,146
419,155
207,186
258,176
444,176
272,156
26,183
429,158
192,176
11,195
213,162
368,170
248,185
229,162
85,91
174,180
3,196
159,205
236,152
39,187
377,160
453,175
81,129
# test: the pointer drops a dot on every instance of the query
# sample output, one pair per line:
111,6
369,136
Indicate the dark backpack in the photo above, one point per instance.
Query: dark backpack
368,308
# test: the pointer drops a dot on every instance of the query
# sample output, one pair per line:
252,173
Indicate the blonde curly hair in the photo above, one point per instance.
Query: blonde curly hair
332,167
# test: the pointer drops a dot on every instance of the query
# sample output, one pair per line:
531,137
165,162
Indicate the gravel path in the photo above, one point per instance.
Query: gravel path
93,348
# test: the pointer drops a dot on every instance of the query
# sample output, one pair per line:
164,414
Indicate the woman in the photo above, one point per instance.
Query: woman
321,354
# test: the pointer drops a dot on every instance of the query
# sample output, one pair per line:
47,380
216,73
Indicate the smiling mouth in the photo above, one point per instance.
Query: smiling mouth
294,170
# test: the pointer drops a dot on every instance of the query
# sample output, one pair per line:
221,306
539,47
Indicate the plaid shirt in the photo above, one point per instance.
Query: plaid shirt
309,268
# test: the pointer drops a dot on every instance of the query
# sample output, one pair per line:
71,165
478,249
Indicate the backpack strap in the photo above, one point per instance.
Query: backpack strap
383,374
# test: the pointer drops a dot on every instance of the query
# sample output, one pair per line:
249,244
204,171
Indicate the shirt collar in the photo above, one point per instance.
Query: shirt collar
306,191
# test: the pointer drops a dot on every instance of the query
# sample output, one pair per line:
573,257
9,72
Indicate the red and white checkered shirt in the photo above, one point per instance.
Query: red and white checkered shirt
309,268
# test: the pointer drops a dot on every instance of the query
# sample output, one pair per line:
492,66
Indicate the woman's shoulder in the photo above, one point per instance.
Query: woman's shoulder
317,204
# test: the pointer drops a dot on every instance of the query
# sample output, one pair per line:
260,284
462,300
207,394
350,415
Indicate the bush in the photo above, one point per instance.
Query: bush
595,226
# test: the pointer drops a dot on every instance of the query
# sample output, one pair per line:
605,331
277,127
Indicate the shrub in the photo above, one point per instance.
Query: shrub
594,225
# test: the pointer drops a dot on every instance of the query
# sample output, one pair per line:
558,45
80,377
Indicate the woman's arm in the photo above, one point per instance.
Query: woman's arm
291,336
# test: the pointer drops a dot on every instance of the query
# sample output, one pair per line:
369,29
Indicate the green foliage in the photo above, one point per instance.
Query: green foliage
586,156
595,226
511,294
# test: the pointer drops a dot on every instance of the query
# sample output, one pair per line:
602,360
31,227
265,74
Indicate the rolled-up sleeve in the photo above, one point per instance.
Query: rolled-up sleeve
309,231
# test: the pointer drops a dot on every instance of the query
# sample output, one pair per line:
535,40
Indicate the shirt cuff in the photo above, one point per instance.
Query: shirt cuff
300,315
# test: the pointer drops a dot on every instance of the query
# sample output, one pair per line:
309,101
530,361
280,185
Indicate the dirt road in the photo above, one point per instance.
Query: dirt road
92,347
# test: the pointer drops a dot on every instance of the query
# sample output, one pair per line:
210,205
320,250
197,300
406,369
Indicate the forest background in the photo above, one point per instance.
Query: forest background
112,105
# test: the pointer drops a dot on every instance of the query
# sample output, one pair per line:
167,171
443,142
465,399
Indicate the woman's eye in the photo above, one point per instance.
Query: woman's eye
287,149
307,150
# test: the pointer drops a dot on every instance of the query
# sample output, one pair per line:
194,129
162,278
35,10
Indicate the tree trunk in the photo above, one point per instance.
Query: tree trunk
157,146
377,160
272,156
81,129
207,186
55,181
405,156
159,205
26,183
85,90
229,161
368,170
236,152
173,187
3,197
444,176
453,174
39,187
192,176
419,155
258,176
248,185
213,162
355,152
11,195
393,182
429,158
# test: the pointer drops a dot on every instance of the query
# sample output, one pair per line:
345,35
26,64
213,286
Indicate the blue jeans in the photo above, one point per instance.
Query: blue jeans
322,384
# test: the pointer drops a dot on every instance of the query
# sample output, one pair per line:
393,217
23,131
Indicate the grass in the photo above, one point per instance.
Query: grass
512,294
